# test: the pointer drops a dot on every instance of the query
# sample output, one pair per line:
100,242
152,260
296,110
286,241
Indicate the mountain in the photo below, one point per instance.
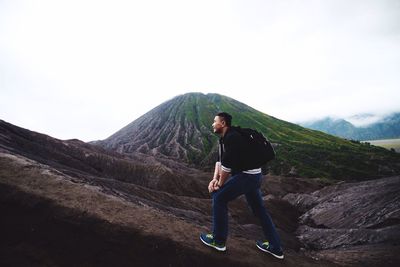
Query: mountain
337,127
180,129
384,128
74,157
69,203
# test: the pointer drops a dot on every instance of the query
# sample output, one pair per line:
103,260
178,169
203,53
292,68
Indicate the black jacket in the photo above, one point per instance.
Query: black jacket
232,151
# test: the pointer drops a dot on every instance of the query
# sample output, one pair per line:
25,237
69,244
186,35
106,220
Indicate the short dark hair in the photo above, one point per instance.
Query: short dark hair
225,117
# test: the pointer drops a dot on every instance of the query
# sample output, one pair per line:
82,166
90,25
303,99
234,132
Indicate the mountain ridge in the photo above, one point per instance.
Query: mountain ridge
180,128
387,127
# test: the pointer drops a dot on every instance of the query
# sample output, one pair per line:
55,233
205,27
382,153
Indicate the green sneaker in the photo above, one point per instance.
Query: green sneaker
208,239
264,246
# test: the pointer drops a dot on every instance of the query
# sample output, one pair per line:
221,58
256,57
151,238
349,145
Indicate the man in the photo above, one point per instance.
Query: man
231,179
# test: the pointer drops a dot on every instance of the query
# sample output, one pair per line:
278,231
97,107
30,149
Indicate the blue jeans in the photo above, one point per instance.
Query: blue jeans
239,184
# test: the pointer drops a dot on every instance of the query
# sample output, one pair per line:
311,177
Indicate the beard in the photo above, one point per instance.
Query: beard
217,131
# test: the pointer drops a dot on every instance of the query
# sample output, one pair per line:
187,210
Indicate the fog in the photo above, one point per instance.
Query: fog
84,69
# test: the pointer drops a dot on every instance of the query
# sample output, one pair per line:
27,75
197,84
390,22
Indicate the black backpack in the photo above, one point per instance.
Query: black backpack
259,149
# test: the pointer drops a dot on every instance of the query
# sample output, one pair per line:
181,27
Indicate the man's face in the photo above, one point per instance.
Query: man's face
218,125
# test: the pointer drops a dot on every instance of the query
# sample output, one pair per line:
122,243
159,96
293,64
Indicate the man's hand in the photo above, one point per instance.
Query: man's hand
213,185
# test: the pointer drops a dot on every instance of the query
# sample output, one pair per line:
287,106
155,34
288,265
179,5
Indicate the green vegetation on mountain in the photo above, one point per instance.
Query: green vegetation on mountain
181,128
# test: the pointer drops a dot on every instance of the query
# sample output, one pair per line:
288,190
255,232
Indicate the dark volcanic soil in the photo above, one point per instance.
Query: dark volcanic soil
67,203
52,219
46,235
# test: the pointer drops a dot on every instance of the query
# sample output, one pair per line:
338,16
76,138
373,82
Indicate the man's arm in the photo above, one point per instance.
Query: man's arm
220,176
216,170
229,158
223,176
213,185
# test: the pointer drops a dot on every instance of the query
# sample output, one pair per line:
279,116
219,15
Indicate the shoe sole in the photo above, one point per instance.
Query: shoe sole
217,248
276,256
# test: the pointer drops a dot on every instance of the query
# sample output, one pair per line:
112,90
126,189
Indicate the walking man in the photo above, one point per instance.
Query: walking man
231,179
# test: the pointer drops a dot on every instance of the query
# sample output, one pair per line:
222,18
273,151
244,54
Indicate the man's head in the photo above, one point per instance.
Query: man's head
222,122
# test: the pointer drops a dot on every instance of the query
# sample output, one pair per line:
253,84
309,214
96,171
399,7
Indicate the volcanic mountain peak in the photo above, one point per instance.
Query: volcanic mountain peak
180,129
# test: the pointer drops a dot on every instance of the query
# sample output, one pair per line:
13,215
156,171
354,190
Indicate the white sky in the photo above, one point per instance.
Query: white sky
84,69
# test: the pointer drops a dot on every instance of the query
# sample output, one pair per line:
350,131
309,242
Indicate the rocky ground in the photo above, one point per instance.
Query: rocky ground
352,223
67,203
52,219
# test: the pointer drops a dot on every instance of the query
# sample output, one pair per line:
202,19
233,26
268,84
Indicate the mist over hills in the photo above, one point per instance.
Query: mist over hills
370,127
180,129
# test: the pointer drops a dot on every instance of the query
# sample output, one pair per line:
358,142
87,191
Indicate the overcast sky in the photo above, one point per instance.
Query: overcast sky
84,69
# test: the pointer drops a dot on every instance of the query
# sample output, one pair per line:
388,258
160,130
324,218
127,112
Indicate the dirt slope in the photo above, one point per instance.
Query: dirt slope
54,220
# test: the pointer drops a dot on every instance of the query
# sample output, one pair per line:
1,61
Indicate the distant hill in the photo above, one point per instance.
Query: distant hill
388,127
181,130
